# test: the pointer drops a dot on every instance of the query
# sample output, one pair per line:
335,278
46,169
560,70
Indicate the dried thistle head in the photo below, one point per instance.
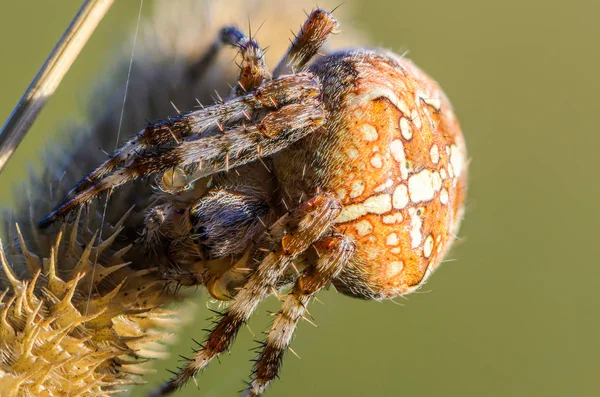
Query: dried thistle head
56,339
82,305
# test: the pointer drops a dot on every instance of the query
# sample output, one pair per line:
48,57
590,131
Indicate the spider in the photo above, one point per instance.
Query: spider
349,170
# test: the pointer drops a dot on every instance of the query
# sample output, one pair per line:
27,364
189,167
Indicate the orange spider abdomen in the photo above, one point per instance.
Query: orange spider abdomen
398,166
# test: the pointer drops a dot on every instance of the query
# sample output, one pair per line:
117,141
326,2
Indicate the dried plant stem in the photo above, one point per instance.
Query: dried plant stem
50,75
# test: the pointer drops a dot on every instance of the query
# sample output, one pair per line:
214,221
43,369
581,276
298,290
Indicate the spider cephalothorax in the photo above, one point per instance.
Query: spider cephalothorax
349,171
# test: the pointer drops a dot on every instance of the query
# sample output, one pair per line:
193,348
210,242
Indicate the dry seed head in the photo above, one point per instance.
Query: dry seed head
58,341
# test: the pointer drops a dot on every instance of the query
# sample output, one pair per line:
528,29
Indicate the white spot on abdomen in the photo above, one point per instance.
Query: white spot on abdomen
378,204
394,218
358,187
444,196
351,212
387,93
428,246
394,268
369,133
443,174
415,228
436,103
405,128
389,183
434,153
377,161
421,186
400,198
363,228
397,150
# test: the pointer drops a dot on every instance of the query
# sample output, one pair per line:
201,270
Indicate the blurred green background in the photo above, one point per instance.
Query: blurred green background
515,313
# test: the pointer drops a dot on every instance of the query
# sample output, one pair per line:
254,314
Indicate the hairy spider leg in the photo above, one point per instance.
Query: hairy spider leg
236,147
295,232
253,73
333,253
283,111
253,69
158,137
306,44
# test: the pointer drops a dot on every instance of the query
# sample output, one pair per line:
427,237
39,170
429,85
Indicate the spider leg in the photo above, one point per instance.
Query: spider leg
253,69
317,28
215,139
295,232
333,252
